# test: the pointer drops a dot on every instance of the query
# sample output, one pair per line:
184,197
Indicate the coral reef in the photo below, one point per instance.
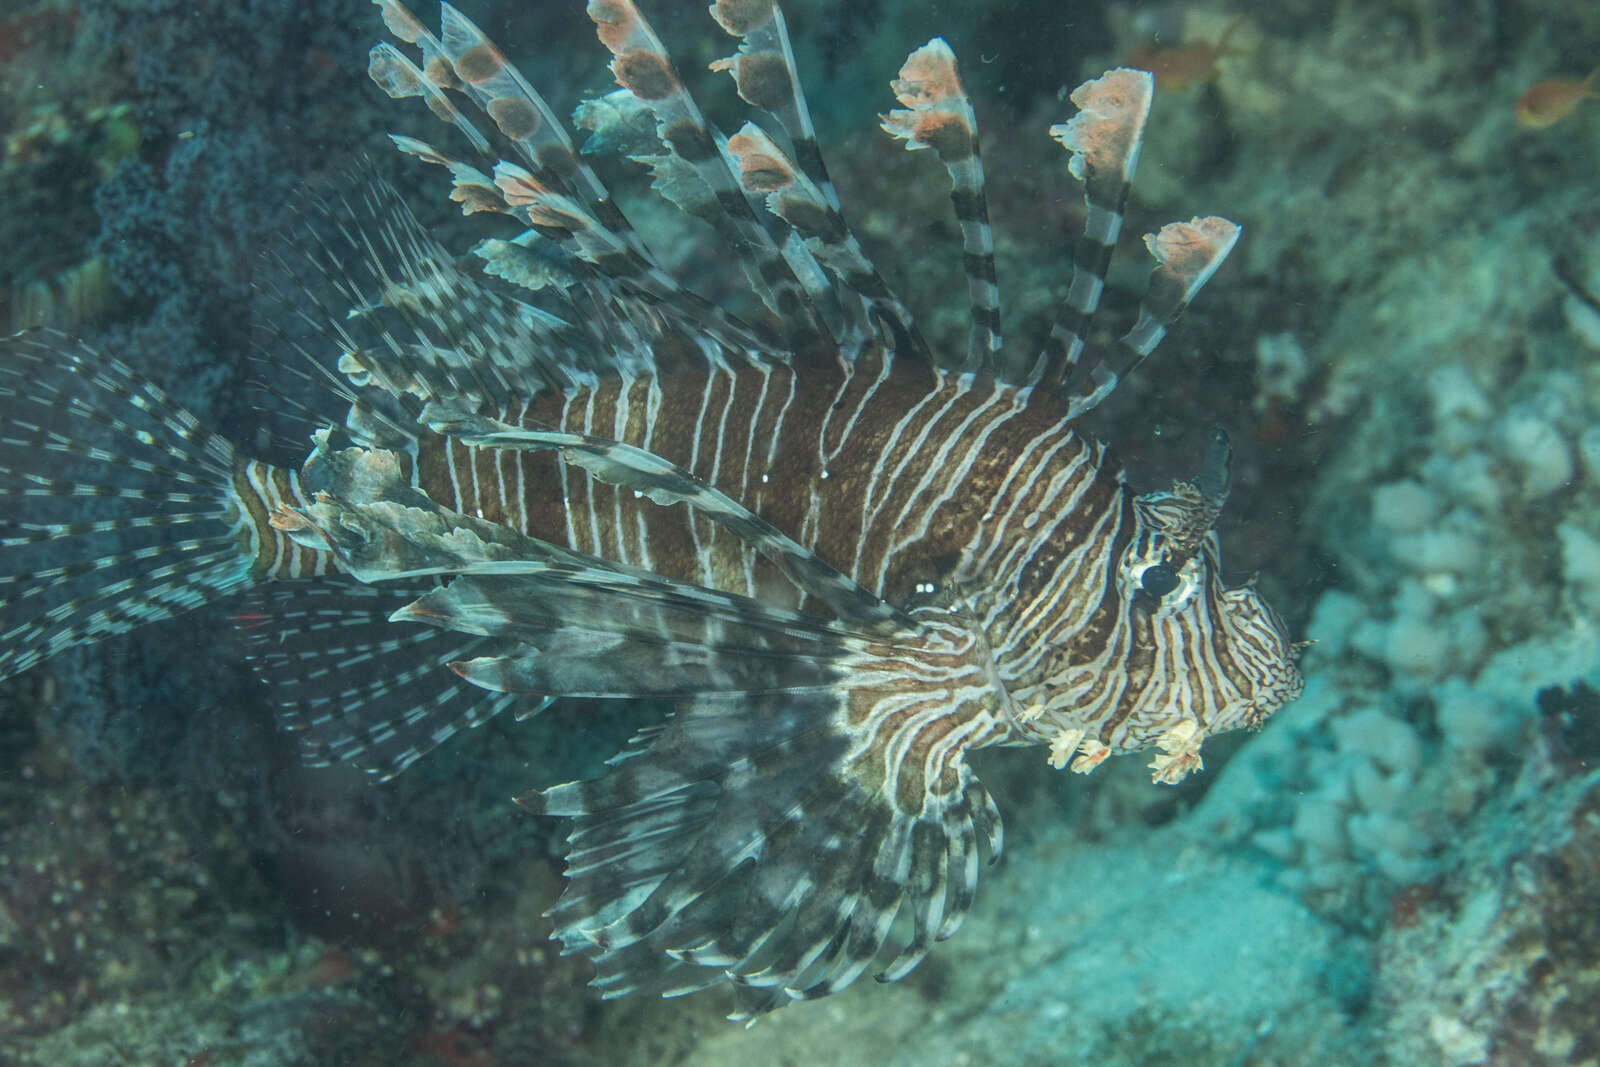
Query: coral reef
1498,960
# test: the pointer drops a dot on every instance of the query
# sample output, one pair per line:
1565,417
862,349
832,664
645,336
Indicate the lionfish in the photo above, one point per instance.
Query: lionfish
844,563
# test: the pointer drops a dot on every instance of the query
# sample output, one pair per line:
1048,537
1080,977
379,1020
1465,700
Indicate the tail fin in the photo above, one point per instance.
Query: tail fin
116,507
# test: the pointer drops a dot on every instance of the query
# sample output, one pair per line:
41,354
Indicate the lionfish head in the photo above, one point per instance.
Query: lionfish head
1221,654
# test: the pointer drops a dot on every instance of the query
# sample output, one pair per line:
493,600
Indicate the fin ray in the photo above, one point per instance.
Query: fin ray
1103,140
131,518
939,116
351,686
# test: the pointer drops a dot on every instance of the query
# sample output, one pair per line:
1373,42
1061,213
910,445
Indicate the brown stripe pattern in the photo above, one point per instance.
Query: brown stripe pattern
844,566
910,481
847,566
262,489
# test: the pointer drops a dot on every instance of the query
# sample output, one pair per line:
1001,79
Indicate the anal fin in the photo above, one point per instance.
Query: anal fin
353,687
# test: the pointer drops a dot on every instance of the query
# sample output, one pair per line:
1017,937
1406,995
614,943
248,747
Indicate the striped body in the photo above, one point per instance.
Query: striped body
843,565
910,481
261,489
922,485
879,469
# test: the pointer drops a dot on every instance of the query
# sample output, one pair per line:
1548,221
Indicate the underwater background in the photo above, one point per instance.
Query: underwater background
1403,867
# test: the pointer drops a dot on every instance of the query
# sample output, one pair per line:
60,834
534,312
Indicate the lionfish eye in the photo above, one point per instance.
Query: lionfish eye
1158,580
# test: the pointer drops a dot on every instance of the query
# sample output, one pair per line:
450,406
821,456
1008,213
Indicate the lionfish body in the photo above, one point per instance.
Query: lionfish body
847,567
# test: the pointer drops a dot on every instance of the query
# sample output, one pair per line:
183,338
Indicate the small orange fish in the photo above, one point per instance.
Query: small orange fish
1551,101
1180,66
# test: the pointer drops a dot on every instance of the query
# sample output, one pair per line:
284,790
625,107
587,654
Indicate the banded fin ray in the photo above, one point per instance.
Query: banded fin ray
555,218
116,507
764,73
351,686
739,842
642,66
604,634
1187,254
405,319
553,191
465,60
1103,142
795,197
938,115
